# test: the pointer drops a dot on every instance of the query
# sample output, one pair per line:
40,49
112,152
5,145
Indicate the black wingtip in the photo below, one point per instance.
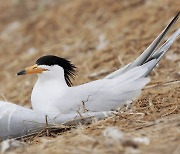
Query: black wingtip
173,20
177,16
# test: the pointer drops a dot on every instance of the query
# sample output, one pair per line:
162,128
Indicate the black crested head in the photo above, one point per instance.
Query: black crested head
69,68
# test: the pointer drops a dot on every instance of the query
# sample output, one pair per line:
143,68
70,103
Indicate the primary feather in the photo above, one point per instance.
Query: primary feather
151,52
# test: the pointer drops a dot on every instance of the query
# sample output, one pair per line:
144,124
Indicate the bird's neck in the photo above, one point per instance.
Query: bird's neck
55,80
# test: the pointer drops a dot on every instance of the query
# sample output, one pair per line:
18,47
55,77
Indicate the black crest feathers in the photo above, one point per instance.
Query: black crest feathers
69,68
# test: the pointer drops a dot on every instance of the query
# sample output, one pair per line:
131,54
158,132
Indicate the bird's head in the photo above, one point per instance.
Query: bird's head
49,66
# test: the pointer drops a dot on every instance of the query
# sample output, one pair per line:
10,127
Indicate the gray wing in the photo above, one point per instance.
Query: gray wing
121,86
105,94
151,52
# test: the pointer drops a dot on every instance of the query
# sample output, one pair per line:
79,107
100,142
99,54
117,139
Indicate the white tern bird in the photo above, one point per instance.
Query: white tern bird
53,91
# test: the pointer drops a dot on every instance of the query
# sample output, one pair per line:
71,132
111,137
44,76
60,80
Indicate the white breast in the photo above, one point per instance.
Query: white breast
48,90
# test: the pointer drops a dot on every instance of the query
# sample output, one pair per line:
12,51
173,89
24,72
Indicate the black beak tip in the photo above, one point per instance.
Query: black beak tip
23,72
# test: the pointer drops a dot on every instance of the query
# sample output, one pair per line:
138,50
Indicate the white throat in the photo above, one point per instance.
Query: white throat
50,86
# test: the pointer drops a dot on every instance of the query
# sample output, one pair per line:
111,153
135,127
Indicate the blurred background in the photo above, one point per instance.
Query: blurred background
98,36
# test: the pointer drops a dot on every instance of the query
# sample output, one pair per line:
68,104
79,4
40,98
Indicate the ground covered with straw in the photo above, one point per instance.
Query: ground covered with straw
98,36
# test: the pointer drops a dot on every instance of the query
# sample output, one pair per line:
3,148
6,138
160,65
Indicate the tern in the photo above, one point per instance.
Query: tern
53,91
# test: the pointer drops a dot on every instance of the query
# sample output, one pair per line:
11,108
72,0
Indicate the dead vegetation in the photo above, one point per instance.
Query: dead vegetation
98,37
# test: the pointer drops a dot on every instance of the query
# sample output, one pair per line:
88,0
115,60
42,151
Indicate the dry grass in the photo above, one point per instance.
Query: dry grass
98,37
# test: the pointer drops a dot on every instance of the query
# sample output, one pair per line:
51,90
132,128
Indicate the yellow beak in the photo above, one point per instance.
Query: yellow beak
32,70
